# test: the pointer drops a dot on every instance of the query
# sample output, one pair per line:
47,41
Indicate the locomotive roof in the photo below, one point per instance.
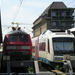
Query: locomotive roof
17,32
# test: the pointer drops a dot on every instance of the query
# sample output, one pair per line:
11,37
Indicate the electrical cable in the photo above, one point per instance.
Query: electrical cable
70,2
28,29
5,29
17,10
73,5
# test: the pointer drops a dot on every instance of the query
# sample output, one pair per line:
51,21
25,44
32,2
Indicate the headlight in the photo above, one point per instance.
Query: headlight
10,47
25,47
6,57
66,57
25,52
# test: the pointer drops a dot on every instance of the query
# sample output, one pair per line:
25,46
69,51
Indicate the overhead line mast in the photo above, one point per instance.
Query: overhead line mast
0,28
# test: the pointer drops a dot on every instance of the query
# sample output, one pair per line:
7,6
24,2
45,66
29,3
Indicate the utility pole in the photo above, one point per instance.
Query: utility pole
0,29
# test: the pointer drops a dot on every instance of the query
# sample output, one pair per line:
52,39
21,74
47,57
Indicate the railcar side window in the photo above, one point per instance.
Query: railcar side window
42,46
48,46
23,38
12,38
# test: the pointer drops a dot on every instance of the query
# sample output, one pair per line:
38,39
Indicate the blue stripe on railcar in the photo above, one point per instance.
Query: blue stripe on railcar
42,59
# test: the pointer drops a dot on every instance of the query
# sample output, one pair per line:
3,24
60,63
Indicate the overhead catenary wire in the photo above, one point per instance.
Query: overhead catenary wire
73,5
17,10
28,29
70,2
15,26
5,29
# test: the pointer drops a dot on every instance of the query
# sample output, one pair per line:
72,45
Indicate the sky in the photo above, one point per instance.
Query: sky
26,14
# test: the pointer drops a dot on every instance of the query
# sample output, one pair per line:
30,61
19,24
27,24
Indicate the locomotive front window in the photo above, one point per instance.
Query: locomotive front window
23,38
63,45
12,38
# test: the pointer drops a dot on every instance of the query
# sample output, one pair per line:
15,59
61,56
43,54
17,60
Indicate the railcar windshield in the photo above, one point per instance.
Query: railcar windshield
63,46
12,38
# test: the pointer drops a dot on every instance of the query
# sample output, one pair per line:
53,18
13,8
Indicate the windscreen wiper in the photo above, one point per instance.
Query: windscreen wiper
59,49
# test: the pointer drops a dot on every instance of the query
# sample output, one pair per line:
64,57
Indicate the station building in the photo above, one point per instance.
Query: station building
56,17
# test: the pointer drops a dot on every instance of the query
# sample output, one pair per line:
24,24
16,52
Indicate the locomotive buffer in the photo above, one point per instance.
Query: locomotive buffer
35,64
29,63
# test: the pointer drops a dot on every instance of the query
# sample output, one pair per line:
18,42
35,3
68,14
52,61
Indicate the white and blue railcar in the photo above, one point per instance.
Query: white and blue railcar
50,47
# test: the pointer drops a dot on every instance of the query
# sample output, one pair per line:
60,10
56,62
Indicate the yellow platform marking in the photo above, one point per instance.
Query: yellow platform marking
57,71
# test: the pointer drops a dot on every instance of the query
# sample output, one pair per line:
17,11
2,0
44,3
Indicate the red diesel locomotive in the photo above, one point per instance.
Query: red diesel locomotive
17,45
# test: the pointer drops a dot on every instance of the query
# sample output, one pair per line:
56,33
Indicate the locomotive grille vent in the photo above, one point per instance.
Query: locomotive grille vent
18,52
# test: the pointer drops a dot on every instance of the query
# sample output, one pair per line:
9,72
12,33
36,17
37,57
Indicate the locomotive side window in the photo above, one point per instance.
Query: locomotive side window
24,38
12,38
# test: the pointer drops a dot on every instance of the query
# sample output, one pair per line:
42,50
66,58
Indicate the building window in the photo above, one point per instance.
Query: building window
53,23
53,13
63,24
63,14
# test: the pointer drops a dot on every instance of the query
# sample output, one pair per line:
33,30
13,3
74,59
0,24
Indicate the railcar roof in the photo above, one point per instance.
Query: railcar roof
60,33
17,32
